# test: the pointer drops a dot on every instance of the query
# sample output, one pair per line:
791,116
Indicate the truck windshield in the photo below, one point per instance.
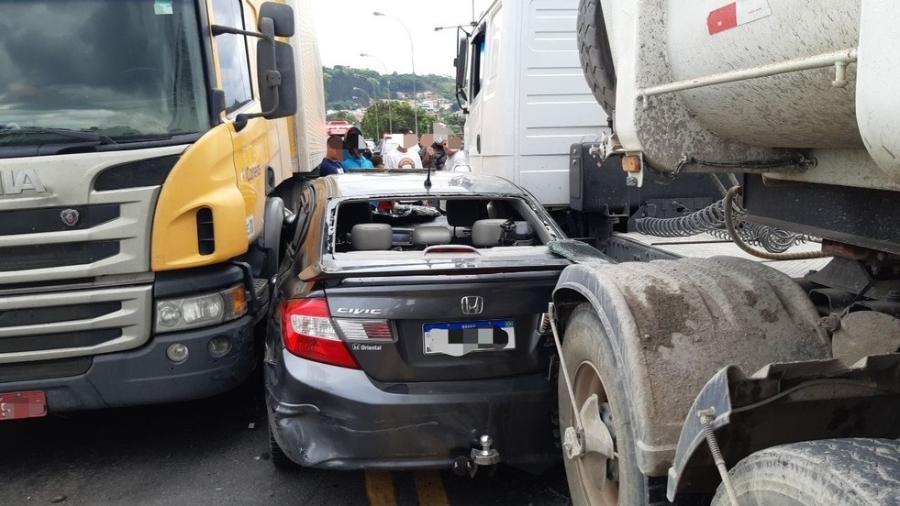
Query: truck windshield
122,70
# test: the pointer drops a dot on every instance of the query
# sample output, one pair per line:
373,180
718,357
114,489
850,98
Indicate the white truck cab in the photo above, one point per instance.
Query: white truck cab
520,80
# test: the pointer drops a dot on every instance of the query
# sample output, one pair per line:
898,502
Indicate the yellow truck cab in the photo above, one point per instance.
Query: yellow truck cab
150,154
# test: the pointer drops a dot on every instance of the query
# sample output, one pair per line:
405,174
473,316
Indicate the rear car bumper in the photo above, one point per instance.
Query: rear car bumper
141,376
332,417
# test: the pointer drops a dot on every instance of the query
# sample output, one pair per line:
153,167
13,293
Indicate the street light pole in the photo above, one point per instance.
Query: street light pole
375,104
384,66
412,57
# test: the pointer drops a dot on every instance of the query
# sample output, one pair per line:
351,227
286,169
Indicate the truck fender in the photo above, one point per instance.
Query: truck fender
674,324
785,403
270,239
274,220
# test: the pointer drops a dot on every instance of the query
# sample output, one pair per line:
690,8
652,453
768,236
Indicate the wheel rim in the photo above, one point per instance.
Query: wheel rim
598,474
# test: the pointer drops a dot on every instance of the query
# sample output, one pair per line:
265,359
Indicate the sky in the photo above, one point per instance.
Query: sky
347,28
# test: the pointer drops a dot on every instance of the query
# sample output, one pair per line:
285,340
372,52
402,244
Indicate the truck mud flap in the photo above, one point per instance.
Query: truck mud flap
785,403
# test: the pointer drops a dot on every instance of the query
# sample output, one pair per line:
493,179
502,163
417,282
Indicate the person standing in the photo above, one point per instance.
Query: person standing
454,156
353,146
404,158
436,155
332,164
406,155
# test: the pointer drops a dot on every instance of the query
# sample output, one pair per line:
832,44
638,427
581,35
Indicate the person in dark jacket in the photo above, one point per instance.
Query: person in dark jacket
332,164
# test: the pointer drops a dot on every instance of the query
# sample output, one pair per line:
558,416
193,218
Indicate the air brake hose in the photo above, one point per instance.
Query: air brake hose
739,241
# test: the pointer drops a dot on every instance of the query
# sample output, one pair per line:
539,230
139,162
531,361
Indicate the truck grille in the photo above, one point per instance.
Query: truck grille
42,256
35,221
44,369
82,339
42,315
71,324
109,237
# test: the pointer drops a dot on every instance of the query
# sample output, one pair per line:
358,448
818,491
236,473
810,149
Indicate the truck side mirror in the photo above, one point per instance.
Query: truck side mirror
275,72
274,62
461,62
282,17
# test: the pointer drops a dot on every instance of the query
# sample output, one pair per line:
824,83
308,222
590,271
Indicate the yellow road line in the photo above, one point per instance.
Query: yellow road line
380,488
430,489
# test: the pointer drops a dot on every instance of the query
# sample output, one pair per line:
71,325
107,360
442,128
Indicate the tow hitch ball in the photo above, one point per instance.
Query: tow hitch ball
485,456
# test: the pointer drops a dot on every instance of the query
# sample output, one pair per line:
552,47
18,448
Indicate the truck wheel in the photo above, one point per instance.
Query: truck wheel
595,54
594,479
848,472
279,458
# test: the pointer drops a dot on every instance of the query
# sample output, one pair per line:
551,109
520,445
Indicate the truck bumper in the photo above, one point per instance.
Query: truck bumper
146,375
336,418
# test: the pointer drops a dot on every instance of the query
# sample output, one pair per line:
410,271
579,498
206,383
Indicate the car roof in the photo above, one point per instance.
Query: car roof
388,183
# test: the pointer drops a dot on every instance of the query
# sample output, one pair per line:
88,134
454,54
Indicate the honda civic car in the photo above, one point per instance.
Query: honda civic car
409,328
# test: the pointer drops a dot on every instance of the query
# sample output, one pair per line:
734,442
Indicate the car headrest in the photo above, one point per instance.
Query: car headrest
522,231
497,209
371,237
463,213
431,235
487,233
352,213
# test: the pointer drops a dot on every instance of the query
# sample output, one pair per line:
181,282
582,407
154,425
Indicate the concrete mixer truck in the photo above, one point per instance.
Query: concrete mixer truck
719,379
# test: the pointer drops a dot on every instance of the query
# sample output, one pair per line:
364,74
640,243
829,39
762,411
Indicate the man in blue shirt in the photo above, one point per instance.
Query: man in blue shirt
353,159
332,164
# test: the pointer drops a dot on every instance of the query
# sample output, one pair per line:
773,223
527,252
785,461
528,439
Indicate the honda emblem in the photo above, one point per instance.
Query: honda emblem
472,304
70,217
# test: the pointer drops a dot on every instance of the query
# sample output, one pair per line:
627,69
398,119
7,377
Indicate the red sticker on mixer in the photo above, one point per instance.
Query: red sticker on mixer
736,14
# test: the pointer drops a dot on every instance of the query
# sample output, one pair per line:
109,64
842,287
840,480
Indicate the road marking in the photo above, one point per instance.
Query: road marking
380,488
430,489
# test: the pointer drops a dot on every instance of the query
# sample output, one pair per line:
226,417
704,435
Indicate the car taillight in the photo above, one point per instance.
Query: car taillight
365,330
307,332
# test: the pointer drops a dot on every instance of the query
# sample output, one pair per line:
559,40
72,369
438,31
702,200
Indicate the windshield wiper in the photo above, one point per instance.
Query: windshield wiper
83,135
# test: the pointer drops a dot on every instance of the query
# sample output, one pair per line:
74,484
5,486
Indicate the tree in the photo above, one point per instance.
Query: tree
398,113
340,80
455,121
342,115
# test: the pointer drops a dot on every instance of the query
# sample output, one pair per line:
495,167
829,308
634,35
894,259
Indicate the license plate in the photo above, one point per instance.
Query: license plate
461,338
17,405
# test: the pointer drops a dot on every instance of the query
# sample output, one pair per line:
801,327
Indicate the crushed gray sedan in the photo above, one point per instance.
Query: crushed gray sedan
409,327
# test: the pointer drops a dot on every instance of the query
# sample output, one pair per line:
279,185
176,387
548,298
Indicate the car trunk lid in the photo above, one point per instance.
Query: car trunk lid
445,327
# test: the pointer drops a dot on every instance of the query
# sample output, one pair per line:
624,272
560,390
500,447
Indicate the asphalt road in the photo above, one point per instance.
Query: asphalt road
215,452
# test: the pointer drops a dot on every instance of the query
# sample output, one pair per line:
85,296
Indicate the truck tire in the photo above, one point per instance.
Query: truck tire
848,472
596,57
593,370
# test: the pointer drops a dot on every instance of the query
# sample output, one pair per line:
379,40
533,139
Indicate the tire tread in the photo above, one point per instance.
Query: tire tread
858,471
594,55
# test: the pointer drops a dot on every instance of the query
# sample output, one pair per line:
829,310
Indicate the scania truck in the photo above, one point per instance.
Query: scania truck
149,155
718,379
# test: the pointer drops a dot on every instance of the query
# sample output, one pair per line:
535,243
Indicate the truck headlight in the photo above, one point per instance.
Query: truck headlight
201,310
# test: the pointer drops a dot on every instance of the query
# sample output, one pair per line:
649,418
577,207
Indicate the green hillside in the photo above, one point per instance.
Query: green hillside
340,81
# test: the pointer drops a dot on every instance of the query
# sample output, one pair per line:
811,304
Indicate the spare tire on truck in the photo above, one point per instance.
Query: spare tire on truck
846,472
595,54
